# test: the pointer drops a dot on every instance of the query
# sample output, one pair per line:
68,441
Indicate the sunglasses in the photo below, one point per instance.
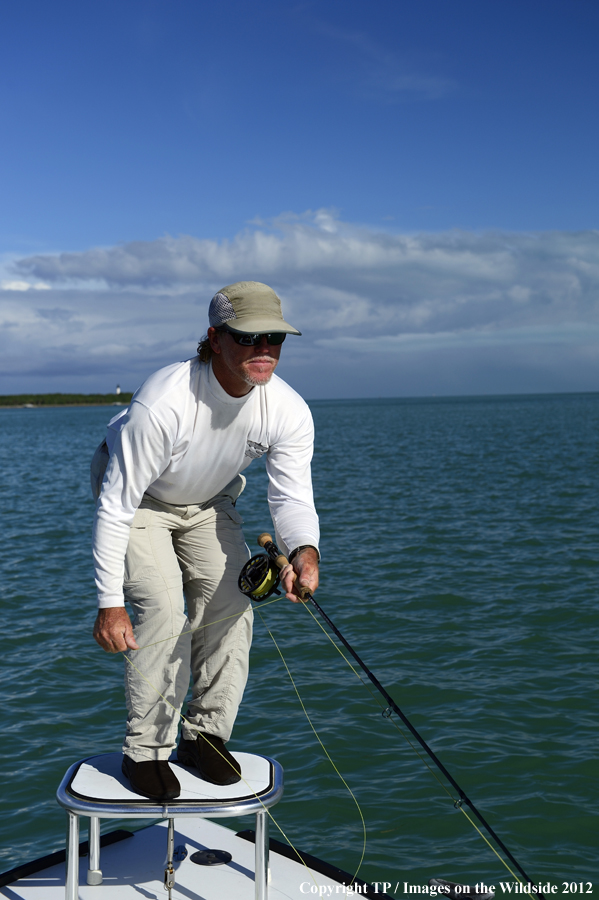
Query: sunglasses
252,340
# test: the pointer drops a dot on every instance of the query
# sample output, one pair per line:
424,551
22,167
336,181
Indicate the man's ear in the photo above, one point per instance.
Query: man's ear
214,338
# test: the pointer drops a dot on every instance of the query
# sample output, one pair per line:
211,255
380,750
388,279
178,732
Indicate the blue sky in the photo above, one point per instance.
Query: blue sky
417,180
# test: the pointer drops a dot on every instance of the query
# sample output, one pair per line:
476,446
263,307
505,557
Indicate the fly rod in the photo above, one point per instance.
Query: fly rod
260,578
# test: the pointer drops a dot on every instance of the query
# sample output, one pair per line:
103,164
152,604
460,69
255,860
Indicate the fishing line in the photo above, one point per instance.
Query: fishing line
236,615
463,798
207,625
250,789
457,804
267,586
279,561
328,756
270,815
379,704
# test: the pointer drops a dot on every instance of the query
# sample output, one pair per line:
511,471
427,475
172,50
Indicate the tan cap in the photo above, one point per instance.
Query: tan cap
249,307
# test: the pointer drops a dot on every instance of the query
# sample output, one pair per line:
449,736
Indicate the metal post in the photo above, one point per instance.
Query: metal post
94,872
169,872
262,870
72,858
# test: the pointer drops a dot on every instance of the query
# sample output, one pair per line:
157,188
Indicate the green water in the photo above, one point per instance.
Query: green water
459,558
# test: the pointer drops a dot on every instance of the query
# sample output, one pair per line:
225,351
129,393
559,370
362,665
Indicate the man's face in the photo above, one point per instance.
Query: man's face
239,368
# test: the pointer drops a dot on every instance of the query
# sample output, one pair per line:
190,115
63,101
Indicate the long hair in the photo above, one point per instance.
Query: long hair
205,350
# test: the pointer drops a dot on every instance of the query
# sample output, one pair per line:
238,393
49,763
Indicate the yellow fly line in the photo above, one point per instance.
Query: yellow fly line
249,787
326,752
456,802
270,815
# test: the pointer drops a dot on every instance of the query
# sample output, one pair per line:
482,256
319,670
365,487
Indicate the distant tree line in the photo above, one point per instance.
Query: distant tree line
64,399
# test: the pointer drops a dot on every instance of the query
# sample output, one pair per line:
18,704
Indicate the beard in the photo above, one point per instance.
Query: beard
257,380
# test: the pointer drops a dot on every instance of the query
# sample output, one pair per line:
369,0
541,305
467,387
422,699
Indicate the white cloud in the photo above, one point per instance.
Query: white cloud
399,280
23,286
569,333
349,288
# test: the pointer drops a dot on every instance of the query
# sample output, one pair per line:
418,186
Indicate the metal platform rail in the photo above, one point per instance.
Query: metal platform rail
96,788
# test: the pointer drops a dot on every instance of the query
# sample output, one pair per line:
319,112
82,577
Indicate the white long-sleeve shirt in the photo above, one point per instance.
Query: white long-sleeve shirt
183,439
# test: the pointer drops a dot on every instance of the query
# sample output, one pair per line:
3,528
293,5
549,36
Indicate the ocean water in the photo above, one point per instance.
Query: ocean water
460,560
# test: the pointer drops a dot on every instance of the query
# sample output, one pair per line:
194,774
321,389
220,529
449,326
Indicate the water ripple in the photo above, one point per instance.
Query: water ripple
459,558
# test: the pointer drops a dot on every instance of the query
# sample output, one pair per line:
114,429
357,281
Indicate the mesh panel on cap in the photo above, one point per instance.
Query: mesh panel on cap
220,310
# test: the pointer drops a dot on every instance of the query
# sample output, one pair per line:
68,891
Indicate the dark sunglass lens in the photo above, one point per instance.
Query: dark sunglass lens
252,340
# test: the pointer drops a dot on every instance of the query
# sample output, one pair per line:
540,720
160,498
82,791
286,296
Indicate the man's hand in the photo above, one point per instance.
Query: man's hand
303,572
113,630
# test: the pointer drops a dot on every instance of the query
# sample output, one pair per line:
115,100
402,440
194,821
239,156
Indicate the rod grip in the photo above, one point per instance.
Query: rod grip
280,561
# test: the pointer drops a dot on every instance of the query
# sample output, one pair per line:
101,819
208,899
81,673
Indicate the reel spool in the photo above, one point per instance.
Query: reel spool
259,578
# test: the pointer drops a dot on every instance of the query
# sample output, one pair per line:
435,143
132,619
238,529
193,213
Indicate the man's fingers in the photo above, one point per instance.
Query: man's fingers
111,643
130,639
292,584
288,579
113,630
306,566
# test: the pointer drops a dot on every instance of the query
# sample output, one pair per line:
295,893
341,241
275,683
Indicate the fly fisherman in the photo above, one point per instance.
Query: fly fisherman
167,533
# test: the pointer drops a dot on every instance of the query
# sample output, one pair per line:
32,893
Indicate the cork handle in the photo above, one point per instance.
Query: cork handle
279,560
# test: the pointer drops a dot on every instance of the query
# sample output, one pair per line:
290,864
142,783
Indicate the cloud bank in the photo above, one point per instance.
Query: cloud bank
382,313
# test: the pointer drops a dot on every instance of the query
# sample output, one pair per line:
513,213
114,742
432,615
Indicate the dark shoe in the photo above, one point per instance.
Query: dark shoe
153,778
211,758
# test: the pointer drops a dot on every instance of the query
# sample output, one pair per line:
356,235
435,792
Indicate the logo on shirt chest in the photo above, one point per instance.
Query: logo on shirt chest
255,450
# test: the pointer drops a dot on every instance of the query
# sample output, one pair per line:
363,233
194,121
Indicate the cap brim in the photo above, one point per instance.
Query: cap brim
260,325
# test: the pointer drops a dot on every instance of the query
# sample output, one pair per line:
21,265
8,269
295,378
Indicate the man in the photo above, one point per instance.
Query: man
167,534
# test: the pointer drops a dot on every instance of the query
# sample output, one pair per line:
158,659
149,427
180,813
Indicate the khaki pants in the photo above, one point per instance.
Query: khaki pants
191,554
185,559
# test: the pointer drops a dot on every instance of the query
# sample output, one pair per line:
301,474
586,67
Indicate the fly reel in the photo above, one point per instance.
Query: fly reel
259,578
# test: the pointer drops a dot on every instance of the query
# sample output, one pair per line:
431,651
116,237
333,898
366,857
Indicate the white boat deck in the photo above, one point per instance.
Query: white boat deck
134,869
131,866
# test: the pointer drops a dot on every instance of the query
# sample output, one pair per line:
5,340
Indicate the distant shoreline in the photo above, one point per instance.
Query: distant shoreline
55,405
56,401
48,401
